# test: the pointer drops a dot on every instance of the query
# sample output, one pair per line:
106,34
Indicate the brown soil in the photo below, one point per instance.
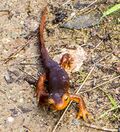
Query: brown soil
19,21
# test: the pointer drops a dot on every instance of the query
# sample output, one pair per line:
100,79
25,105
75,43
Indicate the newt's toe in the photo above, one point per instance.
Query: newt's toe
85,115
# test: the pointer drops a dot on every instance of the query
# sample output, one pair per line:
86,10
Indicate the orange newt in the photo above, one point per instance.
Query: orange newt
57,94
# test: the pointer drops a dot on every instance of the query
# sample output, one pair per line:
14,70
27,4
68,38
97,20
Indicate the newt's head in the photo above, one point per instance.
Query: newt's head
59,102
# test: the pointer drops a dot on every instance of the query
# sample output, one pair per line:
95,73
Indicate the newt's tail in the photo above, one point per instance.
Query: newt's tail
42,26
43,50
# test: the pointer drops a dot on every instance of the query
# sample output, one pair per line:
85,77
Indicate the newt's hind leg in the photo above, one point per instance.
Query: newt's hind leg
41,92
66,61
82,108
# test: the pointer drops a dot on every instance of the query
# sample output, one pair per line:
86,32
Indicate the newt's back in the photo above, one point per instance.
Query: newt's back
57,77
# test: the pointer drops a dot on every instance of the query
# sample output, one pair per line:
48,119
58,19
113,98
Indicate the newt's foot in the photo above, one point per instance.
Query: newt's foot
66,61
40,88
82,108
38,94
85,115
41,98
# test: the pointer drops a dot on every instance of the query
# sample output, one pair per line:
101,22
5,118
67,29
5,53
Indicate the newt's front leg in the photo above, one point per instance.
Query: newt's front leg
40,92
82,108
66,63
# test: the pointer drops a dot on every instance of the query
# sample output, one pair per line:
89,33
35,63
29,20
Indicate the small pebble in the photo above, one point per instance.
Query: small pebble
10,119
75,122
8,77
21,100
6,40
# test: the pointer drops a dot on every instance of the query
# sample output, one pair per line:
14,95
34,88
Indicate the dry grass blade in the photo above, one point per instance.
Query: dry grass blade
4,12
99,128
88,5
79,11
78,90
100,84
97,46
15,53
12,55
104,57
28,64
66,2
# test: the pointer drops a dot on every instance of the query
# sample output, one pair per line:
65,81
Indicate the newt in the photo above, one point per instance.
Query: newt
56,95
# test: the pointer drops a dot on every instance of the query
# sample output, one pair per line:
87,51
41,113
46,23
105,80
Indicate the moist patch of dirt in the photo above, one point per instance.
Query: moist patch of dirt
19,22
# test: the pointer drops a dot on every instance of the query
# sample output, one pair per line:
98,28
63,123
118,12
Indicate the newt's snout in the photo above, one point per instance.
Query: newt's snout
59,103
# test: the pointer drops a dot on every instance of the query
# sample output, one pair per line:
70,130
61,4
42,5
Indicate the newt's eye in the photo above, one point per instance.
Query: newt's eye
66,97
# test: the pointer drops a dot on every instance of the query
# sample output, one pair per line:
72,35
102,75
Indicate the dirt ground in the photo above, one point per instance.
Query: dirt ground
19,56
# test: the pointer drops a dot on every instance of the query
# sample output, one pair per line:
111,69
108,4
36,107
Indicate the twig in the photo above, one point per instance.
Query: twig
28,64
88,5
100,84
4,12
2,91
15,53
104,57
27,73
96,46
21,48
82,10
99,128
27,128
76,92
66,2
73,14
